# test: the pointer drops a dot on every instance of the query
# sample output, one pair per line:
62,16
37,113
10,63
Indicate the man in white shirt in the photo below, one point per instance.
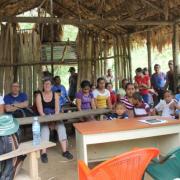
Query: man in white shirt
109,77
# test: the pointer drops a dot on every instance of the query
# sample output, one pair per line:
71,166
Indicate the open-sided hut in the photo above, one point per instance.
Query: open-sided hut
102,25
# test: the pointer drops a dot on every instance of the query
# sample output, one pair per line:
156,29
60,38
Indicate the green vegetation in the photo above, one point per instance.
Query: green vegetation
70,32
139,55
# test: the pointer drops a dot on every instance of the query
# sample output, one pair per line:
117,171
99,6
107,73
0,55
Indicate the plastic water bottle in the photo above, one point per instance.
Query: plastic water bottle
36,131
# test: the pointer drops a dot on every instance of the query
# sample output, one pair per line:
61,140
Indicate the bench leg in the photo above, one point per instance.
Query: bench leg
33,165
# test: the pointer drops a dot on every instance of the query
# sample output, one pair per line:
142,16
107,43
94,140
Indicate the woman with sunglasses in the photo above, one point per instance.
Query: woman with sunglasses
48,103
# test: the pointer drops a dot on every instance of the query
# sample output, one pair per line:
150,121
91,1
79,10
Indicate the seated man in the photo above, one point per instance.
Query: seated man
16,102
59,88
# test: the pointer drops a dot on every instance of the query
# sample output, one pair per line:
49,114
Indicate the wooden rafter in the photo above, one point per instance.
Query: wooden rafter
153,6
72,13
54,20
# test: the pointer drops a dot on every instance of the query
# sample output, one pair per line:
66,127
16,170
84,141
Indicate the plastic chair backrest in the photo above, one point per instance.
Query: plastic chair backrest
130,165
173,152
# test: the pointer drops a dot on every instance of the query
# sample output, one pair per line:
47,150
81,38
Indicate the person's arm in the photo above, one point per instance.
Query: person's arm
146,86
158,108
21,105
95,98
95,101
10,108
2,108
66,95
78,104
109,105
56,103
39,105
93,104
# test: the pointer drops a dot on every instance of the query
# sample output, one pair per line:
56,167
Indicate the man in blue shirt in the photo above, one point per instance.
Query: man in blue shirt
60,88
158,81
15,100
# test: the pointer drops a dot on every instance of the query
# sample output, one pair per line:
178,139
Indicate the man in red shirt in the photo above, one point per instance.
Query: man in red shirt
143,83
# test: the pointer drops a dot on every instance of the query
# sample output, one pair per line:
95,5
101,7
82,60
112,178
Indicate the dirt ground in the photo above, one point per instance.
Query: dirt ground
58,168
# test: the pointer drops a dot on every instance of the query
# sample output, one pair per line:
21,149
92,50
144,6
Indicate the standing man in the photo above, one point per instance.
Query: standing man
72,83
63,93
158,81
170,77
109,77
16,102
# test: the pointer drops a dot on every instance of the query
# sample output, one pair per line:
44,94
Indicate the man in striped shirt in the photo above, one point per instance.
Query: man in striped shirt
127,100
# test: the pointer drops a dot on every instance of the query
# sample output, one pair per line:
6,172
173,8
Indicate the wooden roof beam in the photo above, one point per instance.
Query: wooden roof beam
153,6
77,16
54,20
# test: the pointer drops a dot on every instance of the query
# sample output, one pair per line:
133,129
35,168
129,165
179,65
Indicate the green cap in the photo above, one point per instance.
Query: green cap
8,125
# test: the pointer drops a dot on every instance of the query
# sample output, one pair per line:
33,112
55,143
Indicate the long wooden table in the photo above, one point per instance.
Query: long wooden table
101,140
63,116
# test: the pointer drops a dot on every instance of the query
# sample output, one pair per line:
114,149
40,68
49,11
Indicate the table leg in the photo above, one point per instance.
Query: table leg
81,147
33,165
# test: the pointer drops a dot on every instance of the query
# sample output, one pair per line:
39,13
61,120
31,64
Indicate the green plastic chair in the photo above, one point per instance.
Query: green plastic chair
166,169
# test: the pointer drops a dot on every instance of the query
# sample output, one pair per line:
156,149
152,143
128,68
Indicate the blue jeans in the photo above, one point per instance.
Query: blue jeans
146,98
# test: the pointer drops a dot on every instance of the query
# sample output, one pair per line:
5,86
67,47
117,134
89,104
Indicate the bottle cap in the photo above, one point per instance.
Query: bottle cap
35,118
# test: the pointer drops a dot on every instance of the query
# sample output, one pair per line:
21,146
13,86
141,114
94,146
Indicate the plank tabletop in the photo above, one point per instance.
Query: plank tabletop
63,116
106,126
26,148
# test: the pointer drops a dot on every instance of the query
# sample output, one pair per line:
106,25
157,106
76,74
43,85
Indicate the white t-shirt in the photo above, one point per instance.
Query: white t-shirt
1,100
165,108
109,79
101,98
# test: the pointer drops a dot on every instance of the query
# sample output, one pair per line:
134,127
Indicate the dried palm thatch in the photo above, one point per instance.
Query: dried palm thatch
45,32
95,39
19,47
159,38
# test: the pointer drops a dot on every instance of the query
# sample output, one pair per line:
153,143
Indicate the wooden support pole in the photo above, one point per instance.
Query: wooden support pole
118,62
129,57
148,44
115,62
105,55
52,38
176,58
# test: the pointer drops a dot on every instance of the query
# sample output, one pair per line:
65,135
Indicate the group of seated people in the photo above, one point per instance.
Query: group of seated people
132,100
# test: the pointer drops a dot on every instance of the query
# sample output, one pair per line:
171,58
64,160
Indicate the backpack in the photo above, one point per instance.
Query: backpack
8,168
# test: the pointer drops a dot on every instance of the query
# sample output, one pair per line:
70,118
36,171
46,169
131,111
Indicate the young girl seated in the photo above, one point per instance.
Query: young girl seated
167,106
140,108
119,112
113,96
84,98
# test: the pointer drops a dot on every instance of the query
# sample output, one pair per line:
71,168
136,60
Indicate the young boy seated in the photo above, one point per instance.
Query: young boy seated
140,108
119,112
167,106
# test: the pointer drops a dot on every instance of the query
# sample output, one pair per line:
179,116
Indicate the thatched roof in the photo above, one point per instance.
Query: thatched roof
113,10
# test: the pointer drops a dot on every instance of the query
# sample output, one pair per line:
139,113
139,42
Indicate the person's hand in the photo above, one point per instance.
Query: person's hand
173,105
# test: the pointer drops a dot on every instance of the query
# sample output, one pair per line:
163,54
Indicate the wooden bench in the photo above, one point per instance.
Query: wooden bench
63,116
27,148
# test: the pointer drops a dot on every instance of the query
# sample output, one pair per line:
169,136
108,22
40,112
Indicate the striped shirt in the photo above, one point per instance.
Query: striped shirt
126,102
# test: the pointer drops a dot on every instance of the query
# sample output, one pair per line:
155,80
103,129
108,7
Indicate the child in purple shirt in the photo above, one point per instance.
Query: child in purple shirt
84,98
